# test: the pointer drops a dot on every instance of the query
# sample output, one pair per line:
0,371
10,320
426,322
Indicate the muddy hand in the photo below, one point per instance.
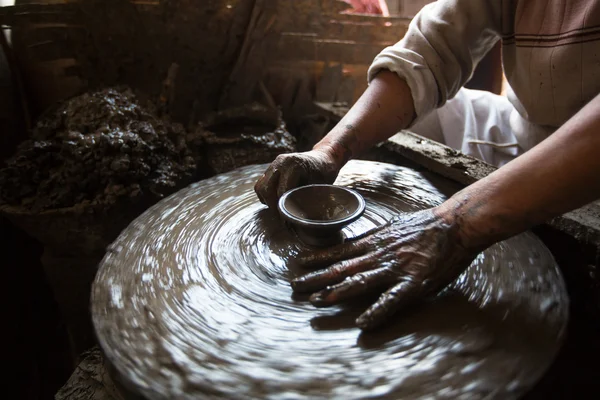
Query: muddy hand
289,171
413,256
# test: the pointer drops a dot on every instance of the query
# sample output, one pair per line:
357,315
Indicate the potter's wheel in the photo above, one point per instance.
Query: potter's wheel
193,301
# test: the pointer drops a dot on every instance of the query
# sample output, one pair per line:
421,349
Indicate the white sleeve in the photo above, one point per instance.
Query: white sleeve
438,54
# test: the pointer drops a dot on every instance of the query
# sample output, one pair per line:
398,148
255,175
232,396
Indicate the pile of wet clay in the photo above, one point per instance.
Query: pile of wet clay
97,148
240,136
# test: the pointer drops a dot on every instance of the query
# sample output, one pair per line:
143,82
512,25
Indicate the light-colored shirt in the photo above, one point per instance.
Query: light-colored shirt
550,54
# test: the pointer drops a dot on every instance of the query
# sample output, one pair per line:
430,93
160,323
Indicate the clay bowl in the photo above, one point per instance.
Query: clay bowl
318,213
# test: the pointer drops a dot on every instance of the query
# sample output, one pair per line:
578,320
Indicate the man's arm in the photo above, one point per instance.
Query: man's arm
418,254
436,57
558,175
384,109
429,65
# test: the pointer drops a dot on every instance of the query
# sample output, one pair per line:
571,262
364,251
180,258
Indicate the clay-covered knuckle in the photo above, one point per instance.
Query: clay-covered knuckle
319,258
258,189
271,200
335,273
320,279
408,272
281,160
366,281
349,287
359,247
418,219
333,255
318,167
328,173
366,234
269,190
314,171
264,187
384,239
313,281
287,181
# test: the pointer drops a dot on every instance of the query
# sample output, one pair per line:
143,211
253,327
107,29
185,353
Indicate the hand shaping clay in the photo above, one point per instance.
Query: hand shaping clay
193,300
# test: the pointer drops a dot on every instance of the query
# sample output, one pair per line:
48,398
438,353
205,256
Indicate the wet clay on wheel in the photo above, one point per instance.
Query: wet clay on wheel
193,300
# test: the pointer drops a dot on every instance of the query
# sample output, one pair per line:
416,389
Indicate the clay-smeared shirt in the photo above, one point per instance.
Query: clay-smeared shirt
550,52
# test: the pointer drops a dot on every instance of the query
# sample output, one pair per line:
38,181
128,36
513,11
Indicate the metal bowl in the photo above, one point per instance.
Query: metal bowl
318,213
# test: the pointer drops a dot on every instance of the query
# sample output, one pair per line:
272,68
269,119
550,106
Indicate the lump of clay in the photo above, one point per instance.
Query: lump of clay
97,148
251,134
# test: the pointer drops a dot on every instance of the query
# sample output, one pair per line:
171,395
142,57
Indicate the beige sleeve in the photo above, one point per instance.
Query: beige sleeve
438,54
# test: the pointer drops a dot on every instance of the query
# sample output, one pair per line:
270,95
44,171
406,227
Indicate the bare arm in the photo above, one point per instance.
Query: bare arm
560,174
557,176
425,251
430,64
385,108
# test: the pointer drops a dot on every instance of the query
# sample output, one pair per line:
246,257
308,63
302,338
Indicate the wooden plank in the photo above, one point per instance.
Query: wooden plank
332,6
438,158
343,51
366,33
372,29
307,16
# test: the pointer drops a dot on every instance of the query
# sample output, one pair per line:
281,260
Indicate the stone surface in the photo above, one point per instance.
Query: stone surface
90,380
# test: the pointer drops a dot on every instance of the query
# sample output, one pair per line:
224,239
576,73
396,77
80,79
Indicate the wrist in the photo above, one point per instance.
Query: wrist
334,154
463,220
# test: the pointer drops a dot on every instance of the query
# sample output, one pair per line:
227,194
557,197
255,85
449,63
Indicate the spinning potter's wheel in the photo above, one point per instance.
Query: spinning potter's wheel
193,300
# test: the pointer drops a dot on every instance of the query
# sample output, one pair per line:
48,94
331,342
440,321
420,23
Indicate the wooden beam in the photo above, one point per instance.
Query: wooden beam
343,51
339,29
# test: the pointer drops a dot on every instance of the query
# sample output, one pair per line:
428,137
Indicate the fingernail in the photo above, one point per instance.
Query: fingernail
364,322
300,285
295,283
321,299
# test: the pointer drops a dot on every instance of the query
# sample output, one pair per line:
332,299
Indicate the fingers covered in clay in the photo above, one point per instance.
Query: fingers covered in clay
416,255
266,187
290,178
326,257
334,274
368,233
357,285
289,171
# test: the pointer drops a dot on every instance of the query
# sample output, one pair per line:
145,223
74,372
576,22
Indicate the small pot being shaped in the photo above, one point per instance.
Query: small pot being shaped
318,213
